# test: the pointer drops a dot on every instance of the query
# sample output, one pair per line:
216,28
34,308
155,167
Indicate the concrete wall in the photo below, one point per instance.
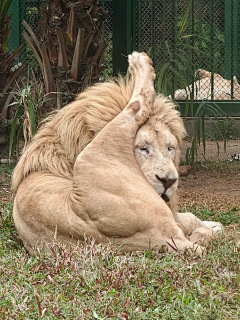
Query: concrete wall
189,125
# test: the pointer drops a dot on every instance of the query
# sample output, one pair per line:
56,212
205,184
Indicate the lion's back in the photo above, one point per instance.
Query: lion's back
66,133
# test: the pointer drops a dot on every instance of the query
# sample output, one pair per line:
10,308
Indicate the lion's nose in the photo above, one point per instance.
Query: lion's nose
166,182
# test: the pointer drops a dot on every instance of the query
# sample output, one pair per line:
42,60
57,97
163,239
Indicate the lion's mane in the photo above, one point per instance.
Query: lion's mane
64,134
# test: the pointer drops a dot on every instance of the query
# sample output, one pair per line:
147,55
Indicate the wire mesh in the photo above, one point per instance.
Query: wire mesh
23,10
29,10
108,37
193,45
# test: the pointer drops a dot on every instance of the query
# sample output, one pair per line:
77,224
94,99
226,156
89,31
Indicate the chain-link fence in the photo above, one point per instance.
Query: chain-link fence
194,45
29,10
108,37
23,10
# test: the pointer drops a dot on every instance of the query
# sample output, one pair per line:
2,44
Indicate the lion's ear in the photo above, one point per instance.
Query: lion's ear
235,80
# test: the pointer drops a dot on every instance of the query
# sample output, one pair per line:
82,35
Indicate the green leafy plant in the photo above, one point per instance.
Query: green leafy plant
207,38
187,49
69,54
180,59
227,126
214,114
28,101
4,17
176,66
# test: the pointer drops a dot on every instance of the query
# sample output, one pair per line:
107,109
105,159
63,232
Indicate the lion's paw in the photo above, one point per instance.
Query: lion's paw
140,67
201,236
216,227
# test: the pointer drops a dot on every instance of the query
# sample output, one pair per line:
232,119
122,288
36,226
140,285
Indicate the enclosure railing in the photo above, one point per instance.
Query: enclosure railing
195,44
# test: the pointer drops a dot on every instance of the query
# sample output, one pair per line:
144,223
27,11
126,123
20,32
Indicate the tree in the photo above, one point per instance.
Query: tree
69,47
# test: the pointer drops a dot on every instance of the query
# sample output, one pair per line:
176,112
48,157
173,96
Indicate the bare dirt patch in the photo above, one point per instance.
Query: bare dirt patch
213,185
5,190
212,154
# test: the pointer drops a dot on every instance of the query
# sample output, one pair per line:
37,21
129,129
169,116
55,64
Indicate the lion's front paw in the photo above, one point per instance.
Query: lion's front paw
140,67
201,236
216,227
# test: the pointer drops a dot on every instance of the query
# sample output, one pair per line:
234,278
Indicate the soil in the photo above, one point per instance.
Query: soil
212,185
215,185
212,154
5,190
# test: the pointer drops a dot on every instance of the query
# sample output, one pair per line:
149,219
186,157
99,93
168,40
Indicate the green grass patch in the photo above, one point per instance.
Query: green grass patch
98,282
6,169
225,217
5,173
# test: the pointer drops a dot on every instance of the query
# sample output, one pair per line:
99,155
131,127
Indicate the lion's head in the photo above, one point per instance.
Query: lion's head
157,147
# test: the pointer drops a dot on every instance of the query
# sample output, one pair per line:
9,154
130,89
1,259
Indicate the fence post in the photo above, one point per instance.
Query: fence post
237,34
122,34
232,38
14,38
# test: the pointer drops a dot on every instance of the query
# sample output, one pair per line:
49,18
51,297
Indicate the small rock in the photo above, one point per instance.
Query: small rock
6,161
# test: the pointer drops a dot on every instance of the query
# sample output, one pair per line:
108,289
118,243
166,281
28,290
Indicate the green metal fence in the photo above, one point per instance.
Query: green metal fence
193,35
183,37
188,35
23,10
108,37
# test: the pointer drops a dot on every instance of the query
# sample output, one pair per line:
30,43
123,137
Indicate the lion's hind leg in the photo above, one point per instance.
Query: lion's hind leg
190,222
141,69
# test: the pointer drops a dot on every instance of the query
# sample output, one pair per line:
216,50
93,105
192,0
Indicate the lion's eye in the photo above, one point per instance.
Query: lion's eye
170,148
144,149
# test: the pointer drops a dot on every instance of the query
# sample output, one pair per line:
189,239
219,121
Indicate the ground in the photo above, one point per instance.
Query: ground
215,185
209,187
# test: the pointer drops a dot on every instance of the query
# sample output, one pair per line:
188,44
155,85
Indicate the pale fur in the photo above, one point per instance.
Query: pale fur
203,88
65,133
80,175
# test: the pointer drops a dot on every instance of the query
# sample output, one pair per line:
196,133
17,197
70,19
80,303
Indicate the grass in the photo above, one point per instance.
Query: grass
98,282
228,217
5,172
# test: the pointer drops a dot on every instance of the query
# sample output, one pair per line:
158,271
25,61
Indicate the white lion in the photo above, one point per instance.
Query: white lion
203,88
105,166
